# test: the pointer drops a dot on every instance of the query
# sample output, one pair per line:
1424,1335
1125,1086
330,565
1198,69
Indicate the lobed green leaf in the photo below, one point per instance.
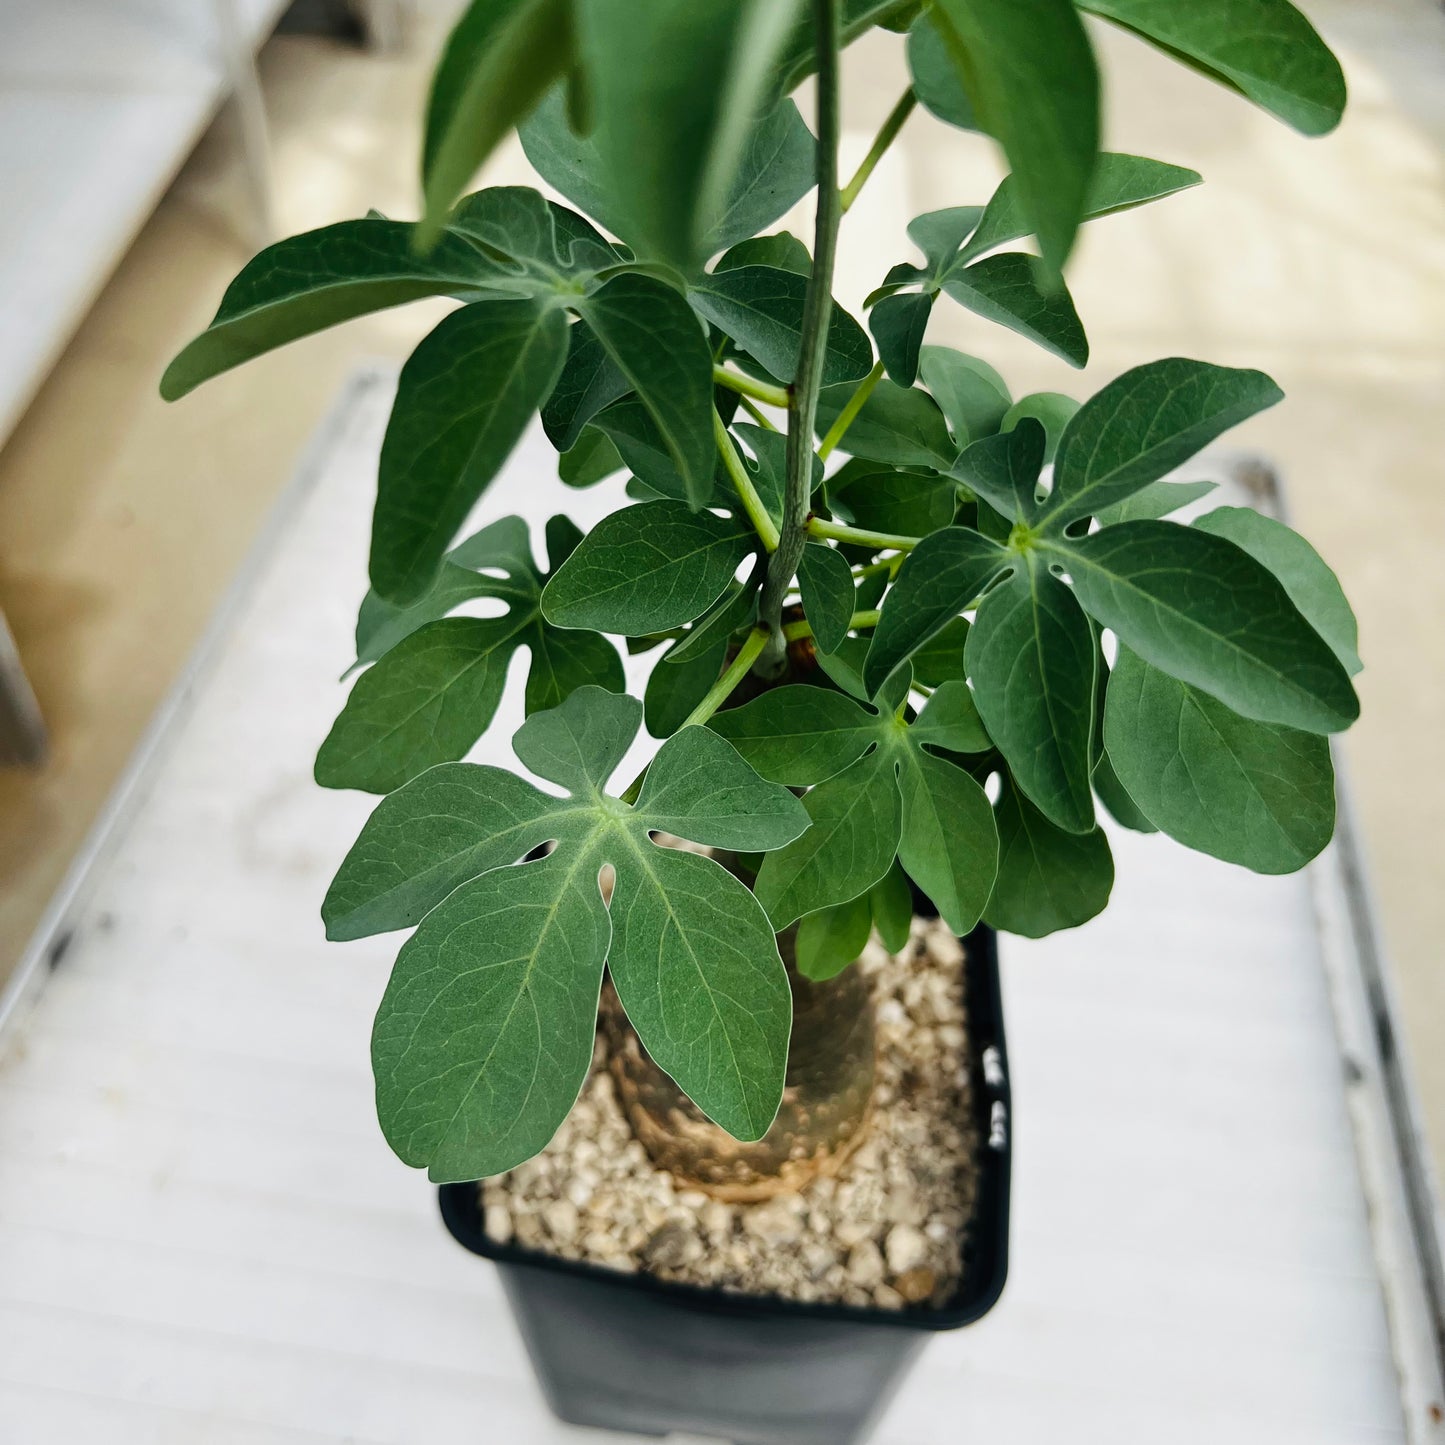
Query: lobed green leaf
1251,793
1265,49
1145,424
465,396
1204,611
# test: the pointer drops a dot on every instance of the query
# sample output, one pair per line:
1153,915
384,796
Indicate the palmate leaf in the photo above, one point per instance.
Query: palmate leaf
629,426
437,684
646,569
1051,409
826,583
500,58
798,735
761,309
1265,49
1029,72
1251,793
1156,501
936,80
676,89
974,397
1303,573
590,380
1004,469
307,283
1014,290
884,499
485,1031
943,575
940,659
898,324
856,818
1204,611
464,398
897,424
880,793
800,55
1031,659
734,611
891,903
1047,879
829,940
776,171
593,458
1144,424
1119,182
650,334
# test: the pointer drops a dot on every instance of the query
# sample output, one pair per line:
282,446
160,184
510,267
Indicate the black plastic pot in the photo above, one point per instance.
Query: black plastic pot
630,1352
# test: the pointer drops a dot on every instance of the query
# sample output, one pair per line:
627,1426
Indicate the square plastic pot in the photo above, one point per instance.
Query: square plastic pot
631,1352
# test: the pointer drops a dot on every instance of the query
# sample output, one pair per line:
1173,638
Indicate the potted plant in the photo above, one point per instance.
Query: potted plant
889,688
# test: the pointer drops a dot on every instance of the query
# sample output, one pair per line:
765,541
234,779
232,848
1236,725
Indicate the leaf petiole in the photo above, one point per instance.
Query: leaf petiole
794,631
717,694
879,541
757,413
746,386
849,414
887,133
738,474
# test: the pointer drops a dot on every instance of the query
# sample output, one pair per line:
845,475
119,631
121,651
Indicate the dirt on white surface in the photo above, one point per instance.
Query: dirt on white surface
885,1232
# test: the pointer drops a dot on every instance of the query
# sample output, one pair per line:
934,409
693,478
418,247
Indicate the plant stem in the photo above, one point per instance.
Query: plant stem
817,308
752,503
736,670
888,564
792,631
849,414
757,413
886,134
717,695
746,386
879,541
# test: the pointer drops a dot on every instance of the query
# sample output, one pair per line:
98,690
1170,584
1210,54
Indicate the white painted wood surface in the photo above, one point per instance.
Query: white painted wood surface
100,102
203,1237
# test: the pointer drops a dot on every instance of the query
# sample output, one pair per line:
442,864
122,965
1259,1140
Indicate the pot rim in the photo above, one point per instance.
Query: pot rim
985,1246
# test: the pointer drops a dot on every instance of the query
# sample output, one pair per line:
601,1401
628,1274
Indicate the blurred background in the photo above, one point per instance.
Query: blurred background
144,155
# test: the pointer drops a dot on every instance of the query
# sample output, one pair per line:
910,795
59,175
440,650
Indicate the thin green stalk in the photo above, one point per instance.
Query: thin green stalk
886,135
888,564
717,695
746,386
792,631
817,309
757,413
849,414
738,473
879,541
737,669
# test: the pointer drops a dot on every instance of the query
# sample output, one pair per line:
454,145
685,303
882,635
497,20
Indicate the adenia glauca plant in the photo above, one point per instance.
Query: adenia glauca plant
888,669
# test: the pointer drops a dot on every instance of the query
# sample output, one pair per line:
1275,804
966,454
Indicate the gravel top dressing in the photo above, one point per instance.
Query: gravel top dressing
886,1231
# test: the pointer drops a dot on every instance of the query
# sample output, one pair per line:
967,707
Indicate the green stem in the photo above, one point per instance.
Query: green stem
746,386
738,473
888,564
849,414
717,695
879,541
792,631
737,669
817,309
886,135
757,413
